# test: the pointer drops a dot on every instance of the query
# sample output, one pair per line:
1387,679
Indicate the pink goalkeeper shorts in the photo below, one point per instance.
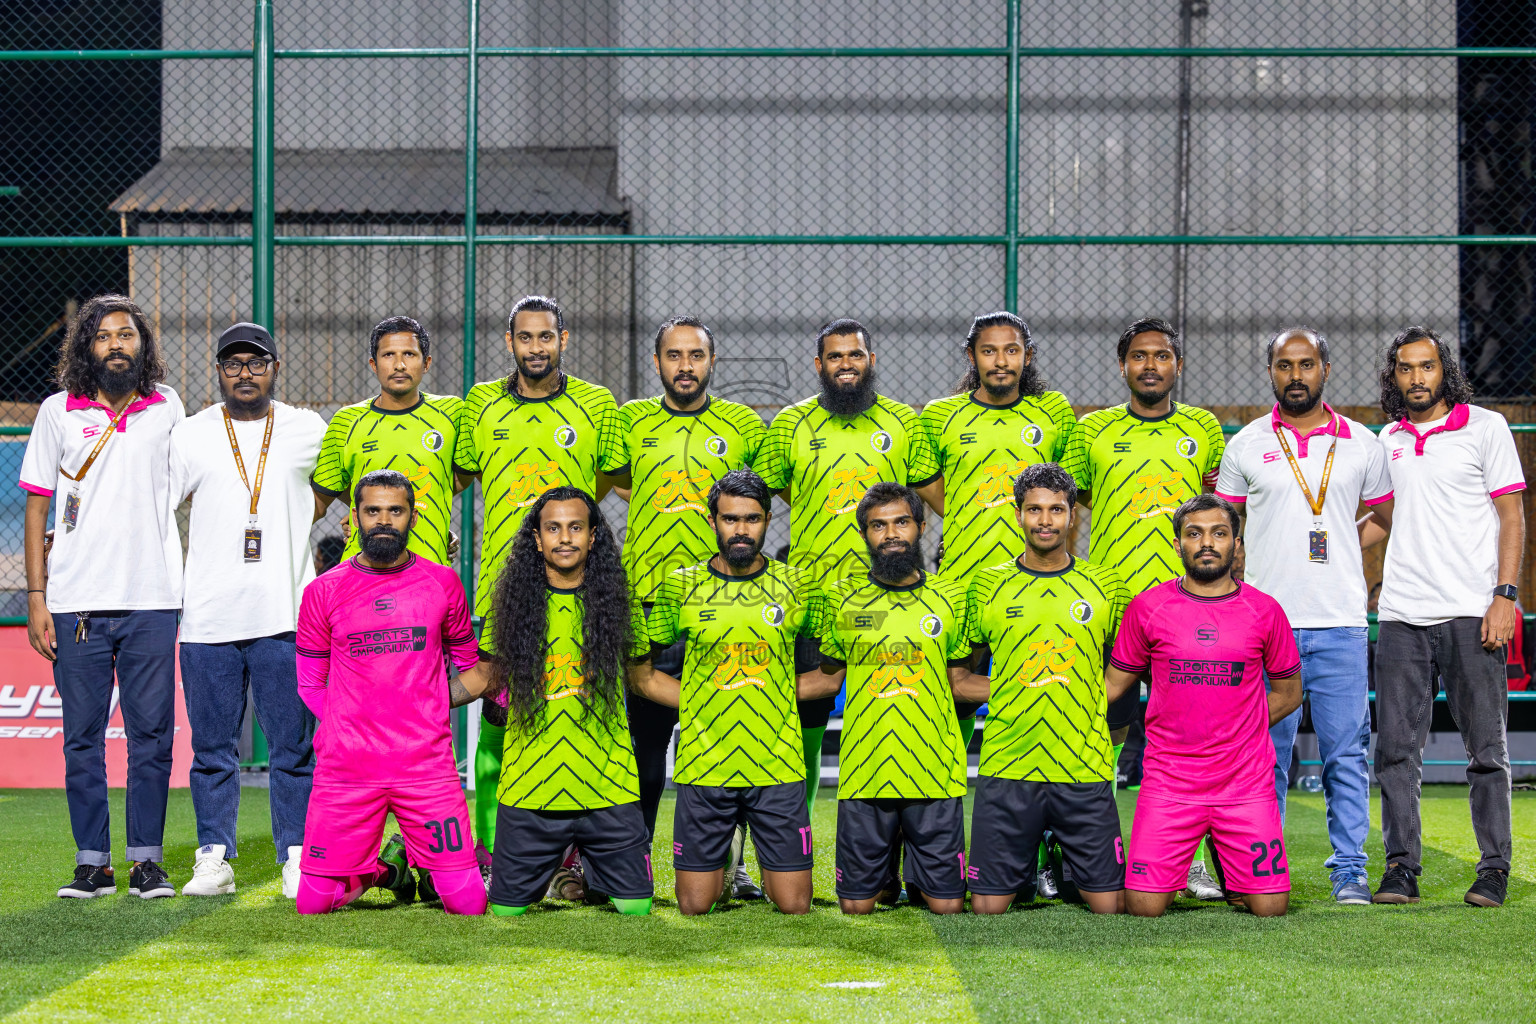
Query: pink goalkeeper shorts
1166,833
345,827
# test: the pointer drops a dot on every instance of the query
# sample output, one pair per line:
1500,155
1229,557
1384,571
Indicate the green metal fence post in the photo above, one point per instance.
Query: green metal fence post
263,214
471,216
1011,167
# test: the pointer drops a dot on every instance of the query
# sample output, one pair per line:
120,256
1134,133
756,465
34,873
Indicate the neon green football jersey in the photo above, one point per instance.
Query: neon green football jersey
572,760
828,462
522,447
1047,632
674,459
417,442
740,723
900,734
1138,472
981,450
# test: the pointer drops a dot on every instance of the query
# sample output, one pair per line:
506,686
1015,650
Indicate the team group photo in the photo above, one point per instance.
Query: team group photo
676,610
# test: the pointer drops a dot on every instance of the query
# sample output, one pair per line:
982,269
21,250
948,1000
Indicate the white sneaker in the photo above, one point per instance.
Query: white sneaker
291,873
211,873
1201,885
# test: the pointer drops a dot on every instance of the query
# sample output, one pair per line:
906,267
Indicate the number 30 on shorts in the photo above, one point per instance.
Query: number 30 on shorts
1275,851
447,834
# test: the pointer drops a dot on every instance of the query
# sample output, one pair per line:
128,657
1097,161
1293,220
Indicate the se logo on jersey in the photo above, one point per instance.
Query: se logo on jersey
565,435
1032,435
1206,635
432,441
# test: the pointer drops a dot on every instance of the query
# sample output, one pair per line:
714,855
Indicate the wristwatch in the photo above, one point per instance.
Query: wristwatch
1508,590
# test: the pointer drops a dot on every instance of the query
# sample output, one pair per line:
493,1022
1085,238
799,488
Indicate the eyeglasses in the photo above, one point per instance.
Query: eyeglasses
232,367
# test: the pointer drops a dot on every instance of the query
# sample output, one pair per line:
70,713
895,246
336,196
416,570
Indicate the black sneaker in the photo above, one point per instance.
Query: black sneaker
147,881
89,882
1488,890
1398,885
426,892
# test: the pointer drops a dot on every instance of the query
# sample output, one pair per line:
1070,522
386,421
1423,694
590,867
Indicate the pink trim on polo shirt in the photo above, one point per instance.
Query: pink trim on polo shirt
34,489
1378,501
1233,498
1458,418
74,403
1336,425
1511,489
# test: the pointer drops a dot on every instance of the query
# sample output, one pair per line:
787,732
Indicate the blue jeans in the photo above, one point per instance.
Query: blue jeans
215,678
1334,680
138,649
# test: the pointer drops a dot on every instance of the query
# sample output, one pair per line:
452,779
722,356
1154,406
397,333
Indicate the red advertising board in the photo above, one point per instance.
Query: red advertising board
32,726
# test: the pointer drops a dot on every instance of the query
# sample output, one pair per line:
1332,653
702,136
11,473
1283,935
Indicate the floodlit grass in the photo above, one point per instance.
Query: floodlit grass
250,957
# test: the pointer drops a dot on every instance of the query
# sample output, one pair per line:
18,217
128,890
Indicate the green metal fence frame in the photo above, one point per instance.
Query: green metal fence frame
264,240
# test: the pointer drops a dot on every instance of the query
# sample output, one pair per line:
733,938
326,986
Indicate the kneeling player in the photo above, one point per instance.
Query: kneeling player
903,639
1209,764
1046,759
371,639
567,634
740,751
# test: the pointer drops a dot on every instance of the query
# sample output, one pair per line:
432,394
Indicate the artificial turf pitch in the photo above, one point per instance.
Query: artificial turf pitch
249,956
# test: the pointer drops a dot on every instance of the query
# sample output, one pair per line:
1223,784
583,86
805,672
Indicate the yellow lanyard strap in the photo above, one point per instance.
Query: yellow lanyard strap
1322,490
261,464
102,443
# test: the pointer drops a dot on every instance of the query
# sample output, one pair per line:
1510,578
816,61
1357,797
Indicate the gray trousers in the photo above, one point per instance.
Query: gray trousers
1408,661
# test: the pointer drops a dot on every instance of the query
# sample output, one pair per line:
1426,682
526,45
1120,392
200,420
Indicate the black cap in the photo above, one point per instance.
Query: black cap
246,335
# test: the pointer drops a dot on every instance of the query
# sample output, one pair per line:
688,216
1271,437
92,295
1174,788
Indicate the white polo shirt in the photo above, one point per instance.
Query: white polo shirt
226,597
1255,473
1443,554
124,551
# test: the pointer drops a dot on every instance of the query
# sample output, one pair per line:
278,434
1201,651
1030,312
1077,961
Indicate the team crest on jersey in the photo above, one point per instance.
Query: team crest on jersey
1081,612
565,435
773,614
1032,435
715,445
432,441
1187,446
881,441
931,625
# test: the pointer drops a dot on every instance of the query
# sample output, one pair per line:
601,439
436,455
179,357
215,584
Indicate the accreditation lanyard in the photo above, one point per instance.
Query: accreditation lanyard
252,532
1317,537
72,499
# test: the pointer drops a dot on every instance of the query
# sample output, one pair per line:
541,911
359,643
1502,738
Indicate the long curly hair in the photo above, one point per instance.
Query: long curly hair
76,372
1454,386
1032,382
521,618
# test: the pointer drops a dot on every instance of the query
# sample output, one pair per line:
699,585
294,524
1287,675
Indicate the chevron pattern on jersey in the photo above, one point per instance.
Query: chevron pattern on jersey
674,459
828,462
522,448
900,734
740,724
981,450
418,442
1047,633
1138,471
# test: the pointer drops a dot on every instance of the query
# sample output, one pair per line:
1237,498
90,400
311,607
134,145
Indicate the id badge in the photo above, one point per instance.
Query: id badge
253,545
1317,545
71,509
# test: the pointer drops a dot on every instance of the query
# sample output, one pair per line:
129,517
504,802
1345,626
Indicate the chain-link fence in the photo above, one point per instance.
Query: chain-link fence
1232,167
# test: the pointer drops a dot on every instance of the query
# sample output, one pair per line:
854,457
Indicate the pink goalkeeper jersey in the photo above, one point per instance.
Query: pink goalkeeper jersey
1208,715
371,667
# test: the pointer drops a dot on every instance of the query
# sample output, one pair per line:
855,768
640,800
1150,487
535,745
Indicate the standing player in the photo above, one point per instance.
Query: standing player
824,453
1001,421
1210,765
372,637
402,428
1299,474
740,754
1045,619
567,634
1447,605
520,436
903,639
676,445
1134,464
